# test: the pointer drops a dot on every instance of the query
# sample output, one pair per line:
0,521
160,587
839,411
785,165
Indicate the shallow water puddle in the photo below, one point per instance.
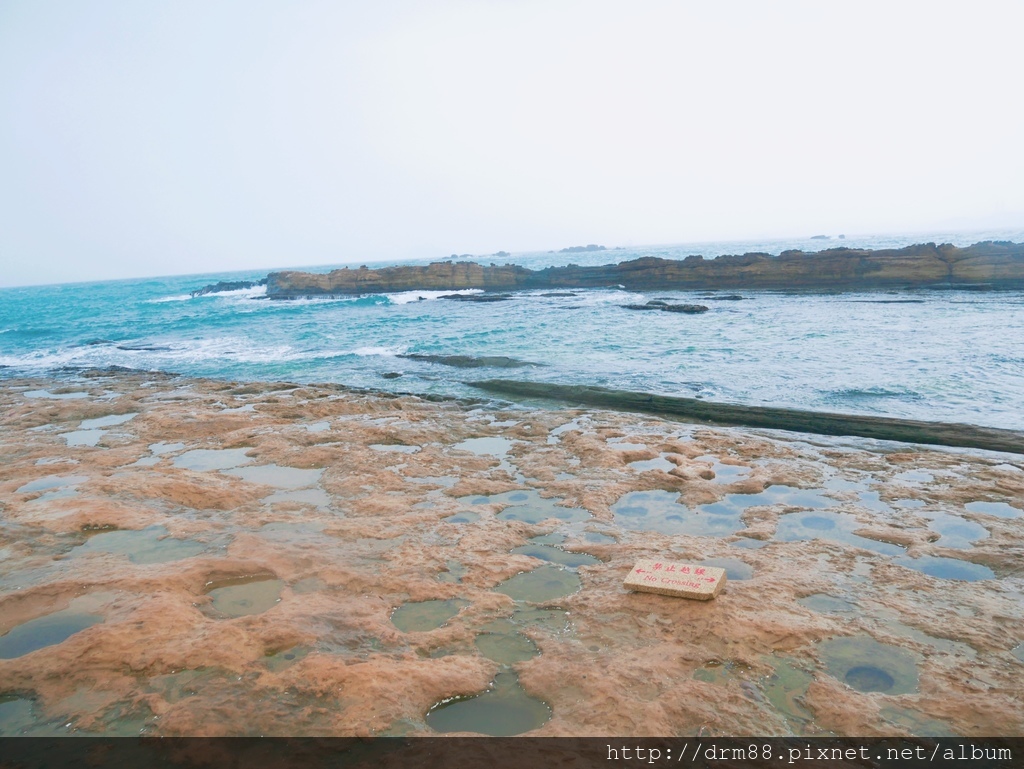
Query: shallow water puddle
998,509
54,396
554,436
785,688
175,687
456,571
735,569
83,437
544,583
506,648
495,447
554,620
15,715
722,672
658,463
109,421
528,506
783,495
465,517
724,473
314,497
212,459
556,555
869,666
45,631
872,500
421,616
281,660
1018,652
318,427
954,531
277,476
293,532
502,711
491,446
241,596
838,527
620,445
914,476
909,503
827,604
51,482
162,447
659,511
947,568
149,545
399,448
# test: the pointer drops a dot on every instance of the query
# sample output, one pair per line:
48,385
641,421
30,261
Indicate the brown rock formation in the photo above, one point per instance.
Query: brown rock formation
988,265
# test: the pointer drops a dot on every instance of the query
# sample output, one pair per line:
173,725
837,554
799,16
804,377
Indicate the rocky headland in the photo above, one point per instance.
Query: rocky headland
987,265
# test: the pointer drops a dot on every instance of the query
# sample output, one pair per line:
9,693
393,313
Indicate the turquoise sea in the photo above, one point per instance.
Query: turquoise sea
949,356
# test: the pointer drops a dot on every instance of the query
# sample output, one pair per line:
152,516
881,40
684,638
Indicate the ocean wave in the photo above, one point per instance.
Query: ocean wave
387,352
162,356
405,297
364,300
598,297
175,298
238,293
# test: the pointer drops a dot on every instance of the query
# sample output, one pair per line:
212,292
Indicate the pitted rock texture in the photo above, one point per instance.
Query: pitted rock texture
320,655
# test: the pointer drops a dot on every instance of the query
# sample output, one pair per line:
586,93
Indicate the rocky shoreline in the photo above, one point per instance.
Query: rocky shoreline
982,266
199,557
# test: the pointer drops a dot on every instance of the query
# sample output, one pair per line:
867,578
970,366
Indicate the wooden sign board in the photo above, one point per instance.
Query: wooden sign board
682,580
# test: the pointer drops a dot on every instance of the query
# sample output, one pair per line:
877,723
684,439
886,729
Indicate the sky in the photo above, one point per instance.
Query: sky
192,136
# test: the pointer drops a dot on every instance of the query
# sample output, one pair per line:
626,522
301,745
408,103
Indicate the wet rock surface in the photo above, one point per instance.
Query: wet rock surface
208,571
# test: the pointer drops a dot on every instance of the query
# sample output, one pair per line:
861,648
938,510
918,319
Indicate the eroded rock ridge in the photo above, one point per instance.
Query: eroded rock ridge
991,264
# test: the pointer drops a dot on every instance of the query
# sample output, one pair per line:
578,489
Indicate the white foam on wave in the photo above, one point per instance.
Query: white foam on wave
301,300
589,297
405,297
164,357
387,352
239,293
175,298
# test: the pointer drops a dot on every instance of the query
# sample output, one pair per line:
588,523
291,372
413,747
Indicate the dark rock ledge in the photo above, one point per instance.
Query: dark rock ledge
818,422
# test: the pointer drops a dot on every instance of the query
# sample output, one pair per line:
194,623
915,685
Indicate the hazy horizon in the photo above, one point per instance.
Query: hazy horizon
192,138
967,237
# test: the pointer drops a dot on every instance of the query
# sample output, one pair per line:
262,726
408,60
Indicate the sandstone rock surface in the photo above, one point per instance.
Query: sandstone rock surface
827,558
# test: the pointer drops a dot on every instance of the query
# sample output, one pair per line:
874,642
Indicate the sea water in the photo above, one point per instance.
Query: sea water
947,356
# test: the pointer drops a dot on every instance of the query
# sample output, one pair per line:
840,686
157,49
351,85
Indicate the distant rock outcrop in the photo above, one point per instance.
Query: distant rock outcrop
582,249
657,304
988,265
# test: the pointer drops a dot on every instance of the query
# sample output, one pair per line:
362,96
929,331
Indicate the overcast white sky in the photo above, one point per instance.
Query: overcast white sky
152,138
